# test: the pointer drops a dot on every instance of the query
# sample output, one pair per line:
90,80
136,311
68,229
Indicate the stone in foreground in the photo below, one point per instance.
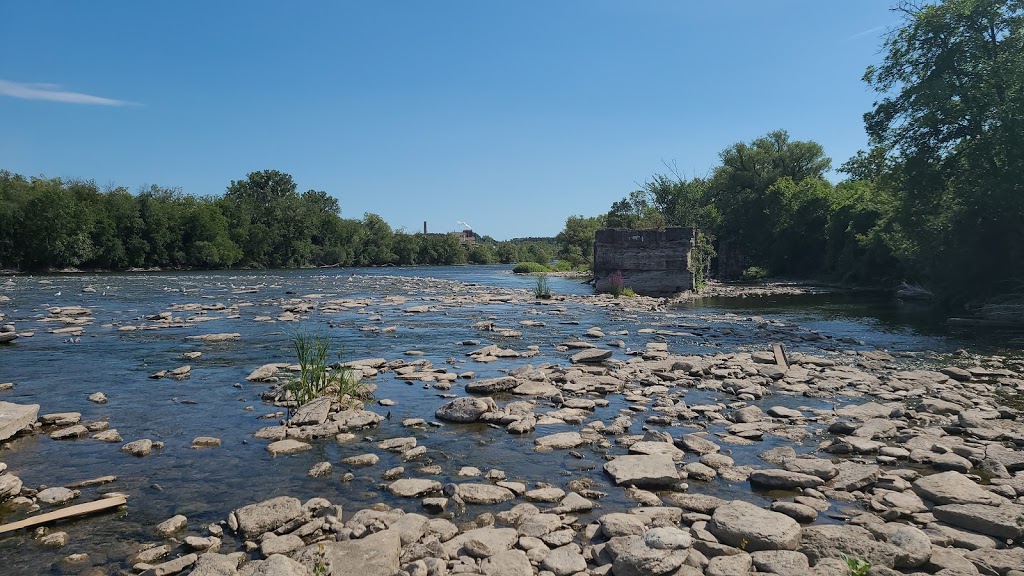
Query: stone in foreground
15,417
823,542
288,446
484,493
643,470
591,356
462,410
954,488
753,528
413,487
1005,521
172,566
255,519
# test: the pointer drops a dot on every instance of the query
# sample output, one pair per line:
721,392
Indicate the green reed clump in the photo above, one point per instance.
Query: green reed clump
316,376
542,289
857,566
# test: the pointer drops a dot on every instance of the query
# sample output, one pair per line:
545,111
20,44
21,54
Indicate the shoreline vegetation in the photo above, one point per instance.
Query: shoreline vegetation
261,222
934,202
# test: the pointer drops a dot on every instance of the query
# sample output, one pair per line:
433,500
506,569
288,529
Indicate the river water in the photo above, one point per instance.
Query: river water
60,373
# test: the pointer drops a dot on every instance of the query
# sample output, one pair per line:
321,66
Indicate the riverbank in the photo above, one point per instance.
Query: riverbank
583,434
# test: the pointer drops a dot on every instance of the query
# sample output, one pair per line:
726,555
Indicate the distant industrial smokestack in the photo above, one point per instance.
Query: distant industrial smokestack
424,227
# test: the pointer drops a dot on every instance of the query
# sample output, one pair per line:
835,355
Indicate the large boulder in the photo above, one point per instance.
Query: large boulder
349,420
413,487
276,565
265,373
781,562
313,412
212,564
753,528
634,556
1004,521
591,356
172,566
484,493
503,384
819,467
914,546
266,516
560,440
495,539
10,486
287,446
775,479
15,417
822,542
564,561
954,488
507,563
998,561
463,410
376,555
853,476
643,470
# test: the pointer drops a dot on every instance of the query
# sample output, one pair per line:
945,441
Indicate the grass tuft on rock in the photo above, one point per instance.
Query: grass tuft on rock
316,377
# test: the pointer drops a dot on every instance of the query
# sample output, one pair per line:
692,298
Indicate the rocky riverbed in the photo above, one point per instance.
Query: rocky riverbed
506,435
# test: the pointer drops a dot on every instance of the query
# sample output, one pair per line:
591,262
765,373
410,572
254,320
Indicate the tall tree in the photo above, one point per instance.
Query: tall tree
576,240
256,209
950,121
740,185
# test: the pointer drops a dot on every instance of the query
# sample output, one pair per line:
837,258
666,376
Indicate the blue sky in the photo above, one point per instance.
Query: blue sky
508,115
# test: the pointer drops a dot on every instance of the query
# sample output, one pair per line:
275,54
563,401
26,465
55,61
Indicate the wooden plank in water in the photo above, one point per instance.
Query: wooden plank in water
780,356
69,512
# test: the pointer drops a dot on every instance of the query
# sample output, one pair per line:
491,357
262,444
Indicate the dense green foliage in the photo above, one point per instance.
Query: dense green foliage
576,241
947,141
530,268
262,221
937,199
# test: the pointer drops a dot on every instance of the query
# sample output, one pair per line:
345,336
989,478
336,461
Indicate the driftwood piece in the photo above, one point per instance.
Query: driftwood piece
780,356
69,512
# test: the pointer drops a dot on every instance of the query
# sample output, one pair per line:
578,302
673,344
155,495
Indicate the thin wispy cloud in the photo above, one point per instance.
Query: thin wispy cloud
871,31
55,93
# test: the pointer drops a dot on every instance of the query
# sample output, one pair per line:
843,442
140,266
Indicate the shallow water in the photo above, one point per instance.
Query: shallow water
207,484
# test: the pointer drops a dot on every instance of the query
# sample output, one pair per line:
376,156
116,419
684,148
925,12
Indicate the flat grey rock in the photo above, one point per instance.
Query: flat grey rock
413,487
643,470
591,356
16,417
753,528
954,488
266,516
1004,521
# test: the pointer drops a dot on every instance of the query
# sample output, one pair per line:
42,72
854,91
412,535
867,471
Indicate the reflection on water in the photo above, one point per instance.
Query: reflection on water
216,401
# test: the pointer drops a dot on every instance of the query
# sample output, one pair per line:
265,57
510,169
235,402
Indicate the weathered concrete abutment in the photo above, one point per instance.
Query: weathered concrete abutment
651,261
